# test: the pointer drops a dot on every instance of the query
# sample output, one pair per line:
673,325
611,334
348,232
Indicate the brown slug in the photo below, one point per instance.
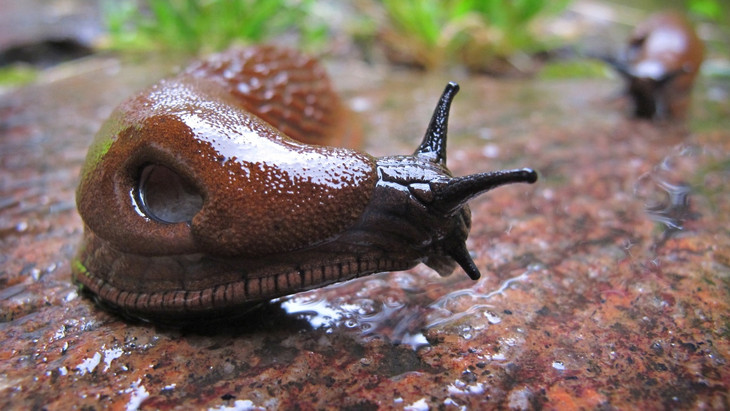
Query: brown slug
660,64
196,201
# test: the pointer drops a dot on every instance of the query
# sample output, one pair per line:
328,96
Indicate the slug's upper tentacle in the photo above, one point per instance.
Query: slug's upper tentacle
433,146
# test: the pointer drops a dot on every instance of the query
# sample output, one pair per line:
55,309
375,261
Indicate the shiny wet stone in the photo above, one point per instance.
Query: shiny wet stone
604,285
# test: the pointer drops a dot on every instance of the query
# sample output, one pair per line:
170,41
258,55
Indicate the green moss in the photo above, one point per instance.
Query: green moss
574,69
205,25
77,267
97,151
17,75
477,34
105,137
715,10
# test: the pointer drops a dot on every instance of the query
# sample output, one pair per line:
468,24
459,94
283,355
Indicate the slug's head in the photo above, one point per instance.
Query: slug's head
418,199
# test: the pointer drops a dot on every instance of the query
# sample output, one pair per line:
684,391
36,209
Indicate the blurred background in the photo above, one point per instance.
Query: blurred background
515,38
604,286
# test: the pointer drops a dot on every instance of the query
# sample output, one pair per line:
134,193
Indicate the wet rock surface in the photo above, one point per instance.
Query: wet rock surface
604,285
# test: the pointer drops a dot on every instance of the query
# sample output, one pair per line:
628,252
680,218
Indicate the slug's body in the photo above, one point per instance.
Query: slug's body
193,205
660,64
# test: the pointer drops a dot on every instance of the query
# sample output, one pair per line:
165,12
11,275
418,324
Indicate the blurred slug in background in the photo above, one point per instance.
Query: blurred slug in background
659,66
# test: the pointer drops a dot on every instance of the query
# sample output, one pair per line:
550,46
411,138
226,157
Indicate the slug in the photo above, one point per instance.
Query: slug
660,64
197,201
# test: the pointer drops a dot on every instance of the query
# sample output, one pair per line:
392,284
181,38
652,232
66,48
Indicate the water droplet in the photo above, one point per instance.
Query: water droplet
110,355
89,364
420,405
139,394
490,151
35,274
466,332
492,317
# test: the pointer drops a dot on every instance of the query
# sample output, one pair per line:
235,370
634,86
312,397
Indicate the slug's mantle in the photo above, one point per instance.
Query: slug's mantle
194,204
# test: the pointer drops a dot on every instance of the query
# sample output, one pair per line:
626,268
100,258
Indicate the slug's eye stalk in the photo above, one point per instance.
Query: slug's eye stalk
433,146
452,194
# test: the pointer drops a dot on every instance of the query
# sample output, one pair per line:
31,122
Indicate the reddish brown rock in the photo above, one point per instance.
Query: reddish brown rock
605,285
